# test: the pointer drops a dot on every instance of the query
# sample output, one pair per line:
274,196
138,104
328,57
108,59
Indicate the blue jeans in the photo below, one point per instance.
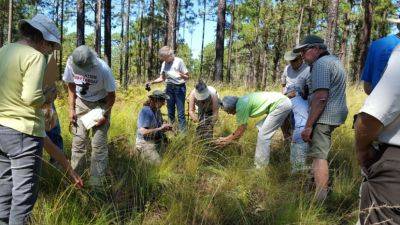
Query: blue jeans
20,162
177,95
55,136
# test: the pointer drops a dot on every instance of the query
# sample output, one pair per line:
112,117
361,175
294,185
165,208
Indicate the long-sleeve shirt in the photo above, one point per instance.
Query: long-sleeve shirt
21,96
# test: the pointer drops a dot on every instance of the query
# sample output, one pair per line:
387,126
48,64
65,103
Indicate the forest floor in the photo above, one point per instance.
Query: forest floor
199,185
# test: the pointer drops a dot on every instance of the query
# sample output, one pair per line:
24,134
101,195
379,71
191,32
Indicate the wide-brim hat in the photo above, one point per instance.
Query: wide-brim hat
83,60
204,94
45,26
307,41
158,94
290,55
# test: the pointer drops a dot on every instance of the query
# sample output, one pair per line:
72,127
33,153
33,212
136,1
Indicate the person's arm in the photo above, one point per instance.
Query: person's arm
222,141
283,79
149,131
367,129
367,87
160,79
215,108
192,108
32,81
56,153
318,103
71,102
183,71
184,76
110,100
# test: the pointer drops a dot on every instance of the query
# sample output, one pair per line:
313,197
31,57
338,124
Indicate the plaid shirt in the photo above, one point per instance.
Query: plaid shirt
328,73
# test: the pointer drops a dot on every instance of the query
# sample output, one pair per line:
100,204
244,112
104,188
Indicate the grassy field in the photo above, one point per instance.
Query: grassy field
196,185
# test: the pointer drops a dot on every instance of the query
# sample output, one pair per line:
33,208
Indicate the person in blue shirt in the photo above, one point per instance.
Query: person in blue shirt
377,58
150,136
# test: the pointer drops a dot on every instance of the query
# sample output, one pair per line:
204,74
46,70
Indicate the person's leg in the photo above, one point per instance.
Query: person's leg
99,158
267,128
320,146
148,152
80,139
180,105
25,166
55,136
170,91
5,174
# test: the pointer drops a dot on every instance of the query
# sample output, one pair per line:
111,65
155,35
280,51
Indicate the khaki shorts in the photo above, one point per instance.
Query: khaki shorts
321,141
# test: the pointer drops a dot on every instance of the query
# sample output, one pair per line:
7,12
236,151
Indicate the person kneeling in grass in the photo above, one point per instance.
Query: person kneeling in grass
150,136
275,105
206,99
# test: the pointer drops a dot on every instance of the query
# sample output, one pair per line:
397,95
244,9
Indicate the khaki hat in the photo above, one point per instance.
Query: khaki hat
158,94
290,56
83,60
307,41
45,26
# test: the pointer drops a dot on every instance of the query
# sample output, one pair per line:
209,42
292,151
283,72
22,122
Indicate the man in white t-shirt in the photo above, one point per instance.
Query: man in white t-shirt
175,74
91,85
379,121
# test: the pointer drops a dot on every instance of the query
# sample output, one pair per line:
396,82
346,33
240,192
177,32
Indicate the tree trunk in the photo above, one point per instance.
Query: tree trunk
121,50
97,41
107,31
202,38
10,20
140,51
126,50
230,42
80,23
60,62
310,17
171,33
219,43
343,44
355,68
366,35
150,47
299,26
278,50
330,37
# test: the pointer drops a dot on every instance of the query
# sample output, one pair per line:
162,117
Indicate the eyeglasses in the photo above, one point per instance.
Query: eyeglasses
306,49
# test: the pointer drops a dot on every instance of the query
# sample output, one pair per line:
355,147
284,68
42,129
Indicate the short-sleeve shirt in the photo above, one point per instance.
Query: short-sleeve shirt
383,102
170,71
256,104
97,82
295,78
328,73
149,119
377,58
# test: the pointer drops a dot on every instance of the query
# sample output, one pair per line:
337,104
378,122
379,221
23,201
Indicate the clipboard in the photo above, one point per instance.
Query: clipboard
51,74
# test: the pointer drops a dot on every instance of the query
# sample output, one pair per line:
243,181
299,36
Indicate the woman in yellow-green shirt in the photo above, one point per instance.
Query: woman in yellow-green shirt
22,132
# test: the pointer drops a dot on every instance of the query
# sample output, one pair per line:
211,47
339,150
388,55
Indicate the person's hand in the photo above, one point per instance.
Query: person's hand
75,178
306,134
166,127
366,157
72,116
222,142
101,121
147,86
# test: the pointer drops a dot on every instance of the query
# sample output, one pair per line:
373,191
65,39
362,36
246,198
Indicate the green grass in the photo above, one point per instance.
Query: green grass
198,185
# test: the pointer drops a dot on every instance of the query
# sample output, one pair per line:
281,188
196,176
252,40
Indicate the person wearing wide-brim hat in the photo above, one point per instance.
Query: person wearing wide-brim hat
22,126
150,134
91,85
378,55
206,99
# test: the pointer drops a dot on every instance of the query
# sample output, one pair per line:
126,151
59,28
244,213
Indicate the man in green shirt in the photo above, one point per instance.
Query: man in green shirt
273,104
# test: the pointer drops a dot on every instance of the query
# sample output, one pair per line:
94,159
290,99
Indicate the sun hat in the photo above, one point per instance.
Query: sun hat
158,94
394,20
202,91
45,26
83,60
290,55
229,103
308,41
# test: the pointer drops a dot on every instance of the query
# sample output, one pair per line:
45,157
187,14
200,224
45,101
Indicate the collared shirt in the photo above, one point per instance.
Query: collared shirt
172,69
295,79
377,58
383,102
328,73
149,118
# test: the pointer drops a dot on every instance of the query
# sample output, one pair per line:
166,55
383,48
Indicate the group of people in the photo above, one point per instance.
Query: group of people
312,101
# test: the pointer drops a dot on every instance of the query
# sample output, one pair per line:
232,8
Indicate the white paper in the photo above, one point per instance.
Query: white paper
91,118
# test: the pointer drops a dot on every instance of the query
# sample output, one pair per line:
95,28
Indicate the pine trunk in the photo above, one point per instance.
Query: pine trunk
97,41
126,49
80,23
121,50
343,44
107,31
299,26
330,37
150,47
230,43
310,17
10,20
366,35
60,62
202,38
219,43
171,33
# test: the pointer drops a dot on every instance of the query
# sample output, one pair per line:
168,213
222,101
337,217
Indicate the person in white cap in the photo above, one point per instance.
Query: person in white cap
22,126
294,83
378,55
91,85
206,99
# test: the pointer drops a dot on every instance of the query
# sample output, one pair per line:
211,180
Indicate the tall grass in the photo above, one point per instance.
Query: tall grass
198,184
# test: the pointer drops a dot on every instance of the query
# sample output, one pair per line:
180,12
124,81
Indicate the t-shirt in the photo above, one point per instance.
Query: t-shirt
94,85
328,73
21,96
169,70
295,79
256,104
383,102
377,58
149,119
